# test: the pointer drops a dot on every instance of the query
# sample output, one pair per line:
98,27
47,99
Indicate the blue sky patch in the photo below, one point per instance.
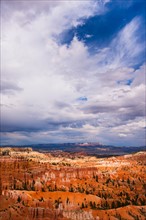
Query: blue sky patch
125,82
82,98
103,28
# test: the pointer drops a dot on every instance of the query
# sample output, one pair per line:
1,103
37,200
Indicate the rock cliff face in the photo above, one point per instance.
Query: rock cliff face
43,186
21,174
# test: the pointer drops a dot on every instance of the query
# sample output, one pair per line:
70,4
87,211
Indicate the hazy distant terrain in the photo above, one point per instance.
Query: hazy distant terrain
95,149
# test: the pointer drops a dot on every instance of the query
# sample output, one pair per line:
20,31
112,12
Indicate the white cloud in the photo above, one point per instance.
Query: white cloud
140,76
127,45
47,78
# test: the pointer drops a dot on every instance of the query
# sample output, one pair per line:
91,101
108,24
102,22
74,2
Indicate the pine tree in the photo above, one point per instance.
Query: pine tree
83,206
96,178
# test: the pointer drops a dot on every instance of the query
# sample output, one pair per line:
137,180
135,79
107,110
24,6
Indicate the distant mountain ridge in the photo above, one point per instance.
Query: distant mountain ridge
96,149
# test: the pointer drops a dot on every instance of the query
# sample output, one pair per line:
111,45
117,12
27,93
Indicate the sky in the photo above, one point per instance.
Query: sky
73,71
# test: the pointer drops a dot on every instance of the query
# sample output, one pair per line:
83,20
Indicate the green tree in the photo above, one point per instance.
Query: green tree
19,199
67,200
96,178
91,204
83,206
113,205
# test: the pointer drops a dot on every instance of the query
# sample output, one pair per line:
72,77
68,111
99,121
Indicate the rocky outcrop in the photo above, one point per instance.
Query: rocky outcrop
42,186
78,215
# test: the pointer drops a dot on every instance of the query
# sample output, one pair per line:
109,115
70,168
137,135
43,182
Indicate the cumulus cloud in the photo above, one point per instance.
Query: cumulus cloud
44,82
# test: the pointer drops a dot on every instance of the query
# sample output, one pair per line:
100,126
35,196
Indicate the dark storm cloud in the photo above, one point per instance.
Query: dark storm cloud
62,105
15,124
75,124
99,109
133,112
8,87
122,113
31,124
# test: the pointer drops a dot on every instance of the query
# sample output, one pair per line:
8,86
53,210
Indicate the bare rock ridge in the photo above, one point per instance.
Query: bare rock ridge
61,185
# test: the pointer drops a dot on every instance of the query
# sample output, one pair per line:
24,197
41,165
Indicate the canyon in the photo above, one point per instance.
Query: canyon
71,186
